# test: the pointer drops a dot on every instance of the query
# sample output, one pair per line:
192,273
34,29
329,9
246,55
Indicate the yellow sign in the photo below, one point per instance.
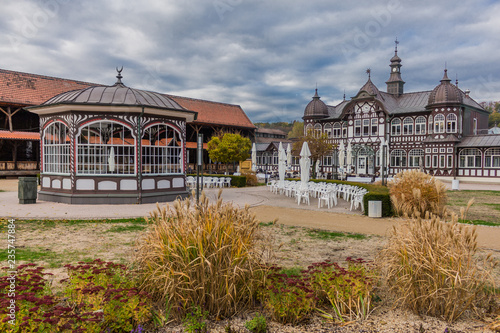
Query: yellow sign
245,166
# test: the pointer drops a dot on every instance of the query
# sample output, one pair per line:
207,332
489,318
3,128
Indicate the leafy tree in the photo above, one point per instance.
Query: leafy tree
231,148
297,130
318,145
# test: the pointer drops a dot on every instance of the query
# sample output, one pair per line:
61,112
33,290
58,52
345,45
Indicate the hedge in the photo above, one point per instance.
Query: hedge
375,192
237,181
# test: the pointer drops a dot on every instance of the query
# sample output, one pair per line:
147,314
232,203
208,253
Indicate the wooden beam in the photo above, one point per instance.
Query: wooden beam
9,115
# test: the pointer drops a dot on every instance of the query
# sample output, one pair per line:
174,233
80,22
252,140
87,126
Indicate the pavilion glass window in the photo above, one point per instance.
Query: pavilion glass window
275,158
416,157
344,130
309,128
427,161
105,147
470,158
435,161
442,161
162,150
431,124
327,160
450,161
492,158
56,149
439,123
408,126
451,123
337,130
357,127
374,122
398,158
420,125
396,127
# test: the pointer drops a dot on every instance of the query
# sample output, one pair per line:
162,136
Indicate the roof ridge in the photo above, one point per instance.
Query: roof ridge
202,100
8,71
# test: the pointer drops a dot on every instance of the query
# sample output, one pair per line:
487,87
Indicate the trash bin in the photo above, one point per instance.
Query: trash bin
375,208
27,190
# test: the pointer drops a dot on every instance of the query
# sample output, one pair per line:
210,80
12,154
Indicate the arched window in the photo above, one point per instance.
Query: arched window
396,127
439,123
56,148
317,130
430,124
398,158
162,152
344,130
416,158
105,147
451,123
408,126
308,129
470,158
328,130
492,158
420,125
337,130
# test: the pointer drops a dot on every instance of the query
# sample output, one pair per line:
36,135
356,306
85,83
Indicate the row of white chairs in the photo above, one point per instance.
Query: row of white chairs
326,193
210,182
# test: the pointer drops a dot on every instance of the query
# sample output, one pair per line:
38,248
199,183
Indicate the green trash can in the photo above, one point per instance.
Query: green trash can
27,190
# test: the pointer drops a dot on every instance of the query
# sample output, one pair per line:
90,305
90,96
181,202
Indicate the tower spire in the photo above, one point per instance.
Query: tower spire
395,82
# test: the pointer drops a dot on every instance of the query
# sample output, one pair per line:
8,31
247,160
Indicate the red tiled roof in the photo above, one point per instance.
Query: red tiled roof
194,145
215,112
32,89
27,89
18,135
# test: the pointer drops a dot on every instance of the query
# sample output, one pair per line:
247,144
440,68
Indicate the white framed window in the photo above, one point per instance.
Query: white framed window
56,148
337,130
451,123
162,150
308,129
328,130
407,126
442,150
439,123
374,126
366,127
344,130
275,158
470,158
420,125
434,150
398,158
396,127
450,161
105,147
427,161
416,157
428,150
357,127
492,158
327,160
435,161
430,124
317,130
442,161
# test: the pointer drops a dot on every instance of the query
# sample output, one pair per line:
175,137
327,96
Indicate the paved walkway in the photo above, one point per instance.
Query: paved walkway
266,205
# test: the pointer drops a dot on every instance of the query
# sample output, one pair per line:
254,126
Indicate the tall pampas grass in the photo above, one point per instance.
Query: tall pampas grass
415,191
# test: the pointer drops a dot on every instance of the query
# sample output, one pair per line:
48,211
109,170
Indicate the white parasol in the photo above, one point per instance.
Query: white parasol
341,156
289,155
281,166
349,156
305,165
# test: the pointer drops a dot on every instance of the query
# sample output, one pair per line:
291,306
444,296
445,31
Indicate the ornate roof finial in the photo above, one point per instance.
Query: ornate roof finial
396,48
456,80
119,76
344,94
368,71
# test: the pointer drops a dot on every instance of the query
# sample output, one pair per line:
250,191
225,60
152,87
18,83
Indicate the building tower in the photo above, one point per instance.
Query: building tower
395,83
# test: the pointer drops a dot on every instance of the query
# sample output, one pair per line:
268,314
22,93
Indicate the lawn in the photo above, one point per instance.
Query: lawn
486,207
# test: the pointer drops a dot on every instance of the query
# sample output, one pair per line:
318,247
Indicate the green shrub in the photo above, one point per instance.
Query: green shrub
257,324
195,320
430,265
204,255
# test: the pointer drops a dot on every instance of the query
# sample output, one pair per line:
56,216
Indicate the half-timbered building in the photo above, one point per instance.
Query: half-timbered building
442,131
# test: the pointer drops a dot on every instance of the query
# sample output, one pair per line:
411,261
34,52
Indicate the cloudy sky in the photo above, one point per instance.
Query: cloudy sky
265,55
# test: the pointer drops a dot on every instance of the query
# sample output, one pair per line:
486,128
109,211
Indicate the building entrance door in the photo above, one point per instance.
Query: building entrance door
361,165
